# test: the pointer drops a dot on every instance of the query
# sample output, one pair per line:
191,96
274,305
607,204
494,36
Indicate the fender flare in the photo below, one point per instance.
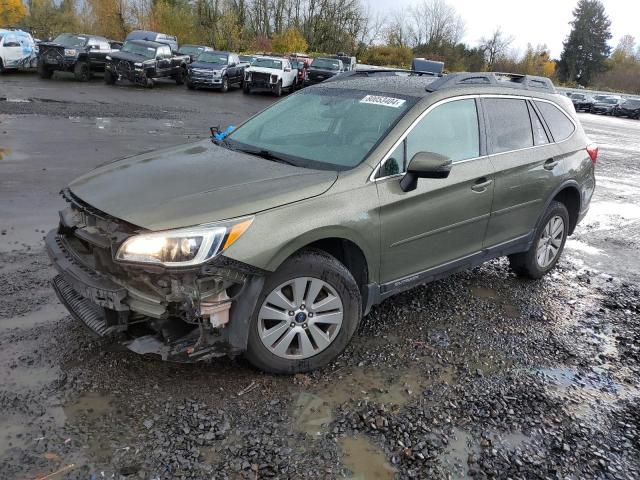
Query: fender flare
558,189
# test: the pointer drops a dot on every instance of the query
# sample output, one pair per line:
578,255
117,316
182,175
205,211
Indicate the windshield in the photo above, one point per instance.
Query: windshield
267,63
632,103
190,50
578,96
136,48
326,128
326,64
609,101
70,40
246,58
211,57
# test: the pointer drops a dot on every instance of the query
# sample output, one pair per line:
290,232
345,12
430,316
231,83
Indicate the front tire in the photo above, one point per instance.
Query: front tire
305,316
109,78
548,244
44,71
225,85
82,72
180,76
277,91
246,88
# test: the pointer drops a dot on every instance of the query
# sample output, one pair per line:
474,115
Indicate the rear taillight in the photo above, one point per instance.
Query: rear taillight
592,150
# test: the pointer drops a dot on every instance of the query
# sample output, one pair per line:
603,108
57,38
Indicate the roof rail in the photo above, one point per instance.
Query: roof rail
383,72
496,79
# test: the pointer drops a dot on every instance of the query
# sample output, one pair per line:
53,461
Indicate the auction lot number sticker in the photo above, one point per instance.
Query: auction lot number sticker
385,101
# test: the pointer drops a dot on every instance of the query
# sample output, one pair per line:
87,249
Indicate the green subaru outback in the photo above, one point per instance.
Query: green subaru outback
274,240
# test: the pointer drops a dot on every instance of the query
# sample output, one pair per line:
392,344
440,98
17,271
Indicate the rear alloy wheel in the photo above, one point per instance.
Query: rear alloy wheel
225,85
547,246
307,313
82,72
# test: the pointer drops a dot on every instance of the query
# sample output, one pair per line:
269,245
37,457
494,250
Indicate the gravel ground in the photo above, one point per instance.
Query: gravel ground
481,375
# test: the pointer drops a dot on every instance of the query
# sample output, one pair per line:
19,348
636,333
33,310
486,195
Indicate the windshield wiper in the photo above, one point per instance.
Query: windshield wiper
266,154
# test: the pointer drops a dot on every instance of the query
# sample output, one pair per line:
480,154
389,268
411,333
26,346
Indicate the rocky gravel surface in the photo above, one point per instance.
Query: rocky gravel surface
481,375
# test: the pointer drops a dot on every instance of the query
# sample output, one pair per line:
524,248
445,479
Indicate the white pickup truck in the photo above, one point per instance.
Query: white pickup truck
270,73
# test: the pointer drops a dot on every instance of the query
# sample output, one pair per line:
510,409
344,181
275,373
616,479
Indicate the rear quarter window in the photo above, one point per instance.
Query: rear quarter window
559,124
509,123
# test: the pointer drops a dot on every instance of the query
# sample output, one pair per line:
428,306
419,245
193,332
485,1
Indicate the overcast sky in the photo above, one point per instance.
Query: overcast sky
536,22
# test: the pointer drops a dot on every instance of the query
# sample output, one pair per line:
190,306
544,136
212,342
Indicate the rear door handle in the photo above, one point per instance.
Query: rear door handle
481,185
550,164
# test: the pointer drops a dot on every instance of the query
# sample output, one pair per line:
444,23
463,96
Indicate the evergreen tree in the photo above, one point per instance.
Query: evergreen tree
585,49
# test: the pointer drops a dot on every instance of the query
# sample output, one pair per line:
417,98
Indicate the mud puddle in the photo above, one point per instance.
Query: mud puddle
456,456
313,410
48,313
364,460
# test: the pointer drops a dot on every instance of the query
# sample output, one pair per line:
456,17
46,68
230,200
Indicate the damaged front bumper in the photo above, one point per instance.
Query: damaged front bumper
181,315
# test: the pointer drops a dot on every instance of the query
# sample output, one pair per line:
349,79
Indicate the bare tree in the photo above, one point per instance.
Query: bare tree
435,24
495,46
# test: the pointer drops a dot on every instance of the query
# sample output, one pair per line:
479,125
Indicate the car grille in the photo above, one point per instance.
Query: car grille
318,76
201,72
54,55
260,77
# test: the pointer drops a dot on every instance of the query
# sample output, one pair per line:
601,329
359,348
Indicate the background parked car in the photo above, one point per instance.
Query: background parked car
606,105
323,68
170,40
216,70
142,62
270,73
193,50
17,49
629,108
582,102
302,71
78,53
248,59
348,63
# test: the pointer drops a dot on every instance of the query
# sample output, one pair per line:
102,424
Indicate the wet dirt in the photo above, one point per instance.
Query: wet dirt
364,460
481,375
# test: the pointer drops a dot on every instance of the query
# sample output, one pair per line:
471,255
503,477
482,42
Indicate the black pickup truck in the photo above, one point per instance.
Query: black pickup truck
142,62
77,53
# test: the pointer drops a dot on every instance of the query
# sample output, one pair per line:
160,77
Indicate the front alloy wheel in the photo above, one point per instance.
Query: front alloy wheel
307,312
300,318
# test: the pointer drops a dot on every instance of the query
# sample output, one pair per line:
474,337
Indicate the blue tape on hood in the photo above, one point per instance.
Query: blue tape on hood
219,136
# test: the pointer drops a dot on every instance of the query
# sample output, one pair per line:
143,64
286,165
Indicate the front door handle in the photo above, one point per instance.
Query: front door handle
481,185
550,164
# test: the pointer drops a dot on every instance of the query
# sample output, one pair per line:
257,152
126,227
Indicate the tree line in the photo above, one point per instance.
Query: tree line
430,28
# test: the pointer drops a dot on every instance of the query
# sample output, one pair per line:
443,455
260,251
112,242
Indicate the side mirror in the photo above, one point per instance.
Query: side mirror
425,165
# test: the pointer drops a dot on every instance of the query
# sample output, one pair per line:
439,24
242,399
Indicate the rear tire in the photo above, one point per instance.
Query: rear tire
44,71
548,244
339,293
82,72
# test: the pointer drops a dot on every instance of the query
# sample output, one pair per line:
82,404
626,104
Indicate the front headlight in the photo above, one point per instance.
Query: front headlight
139,65
108,57
70,52
183,247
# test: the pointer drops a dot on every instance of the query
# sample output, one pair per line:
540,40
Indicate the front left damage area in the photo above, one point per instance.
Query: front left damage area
186,314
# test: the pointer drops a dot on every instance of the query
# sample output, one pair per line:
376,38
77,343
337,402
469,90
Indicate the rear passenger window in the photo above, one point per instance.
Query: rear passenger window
450,129
539,135
561,127
510,124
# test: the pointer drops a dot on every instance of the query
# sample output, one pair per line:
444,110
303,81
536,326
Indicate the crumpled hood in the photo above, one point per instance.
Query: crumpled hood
194,184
